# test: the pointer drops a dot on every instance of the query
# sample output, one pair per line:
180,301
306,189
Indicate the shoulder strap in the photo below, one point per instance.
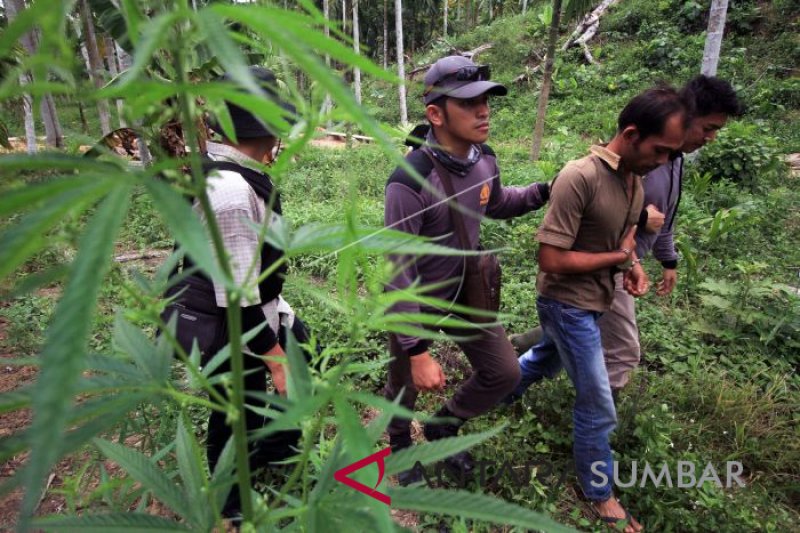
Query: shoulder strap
680,192
260,182
455,214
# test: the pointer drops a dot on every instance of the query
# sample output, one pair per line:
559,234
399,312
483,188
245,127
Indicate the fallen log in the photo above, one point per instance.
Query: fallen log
141,256
587,29
470,54
526,76
474,52
338,135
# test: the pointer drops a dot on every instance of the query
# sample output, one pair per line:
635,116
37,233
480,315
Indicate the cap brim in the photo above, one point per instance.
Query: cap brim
247,126
477,88
469,90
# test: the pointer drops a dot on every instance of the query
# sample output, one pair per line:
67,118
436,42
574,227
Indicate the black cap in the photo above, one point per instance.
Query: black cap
459,77
245,124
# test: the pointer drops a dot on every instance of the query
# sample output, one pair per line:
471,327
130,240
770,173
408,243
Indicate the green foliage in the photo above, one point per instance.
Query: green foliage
669,50
718,380
110,522
776,98
171,62
743,154
750,308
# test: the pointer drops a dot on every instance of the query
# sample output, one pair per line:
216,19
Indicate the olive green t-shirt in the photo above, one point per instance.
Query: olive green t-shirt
590,211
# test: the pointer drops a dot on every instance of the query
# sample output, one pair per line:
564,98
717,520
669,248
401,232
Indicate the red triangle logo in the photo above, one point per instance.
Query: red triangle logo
341,475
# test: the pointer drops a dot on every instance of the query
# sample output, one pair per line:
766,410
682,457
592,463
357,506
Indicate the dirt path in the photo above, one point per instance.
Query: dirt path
12,377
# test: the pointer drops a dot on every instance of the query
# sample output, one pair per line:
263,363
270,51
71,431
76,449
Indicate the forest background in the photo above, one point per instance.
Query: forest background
101,426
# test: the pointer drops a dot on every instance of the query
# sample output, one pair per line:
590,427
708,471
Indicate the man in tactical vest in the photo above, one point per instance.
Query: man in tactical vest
453,156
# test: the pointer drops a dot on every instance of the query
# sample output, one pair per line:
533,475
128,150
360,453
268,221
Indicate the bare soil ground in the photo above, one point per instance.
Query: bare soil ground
12,377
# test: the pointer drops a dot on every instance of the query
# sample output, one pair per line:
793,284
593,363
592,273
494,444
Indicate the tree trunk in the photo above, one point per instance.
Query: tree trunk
357,50
84,122
52,126
552,41
327,105
524,6
30,123
96,64
444,26
47,107
76,25
111,63
385,35
401,69
125,62
716,27
473,11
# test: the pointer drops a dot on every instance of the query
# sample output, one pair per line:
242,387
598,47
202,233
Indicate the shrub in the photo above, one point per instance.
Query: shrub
775,97
669,50
742,154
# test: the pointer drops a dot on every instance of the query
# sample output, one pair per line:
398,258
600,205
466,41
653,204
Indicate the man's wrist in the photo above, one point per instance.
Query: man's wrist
670,265
418,349
420,359
624,263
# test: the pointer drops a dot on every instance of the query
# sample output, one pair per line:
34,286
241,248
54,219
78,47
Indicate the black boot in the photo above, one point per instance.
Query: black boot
615,397
274,448
462,461
413,474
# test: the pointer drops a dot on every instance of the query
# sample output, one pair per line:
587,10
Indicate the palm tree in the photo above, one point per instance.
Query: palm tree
716,27
328,103
113,69
95,66
444,27
356,48
30,123
401,70
385,35
29,41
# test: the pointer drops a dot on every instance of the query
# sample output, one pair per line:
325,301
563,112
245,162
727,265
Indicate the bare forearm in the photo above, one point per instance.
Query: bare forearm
559,261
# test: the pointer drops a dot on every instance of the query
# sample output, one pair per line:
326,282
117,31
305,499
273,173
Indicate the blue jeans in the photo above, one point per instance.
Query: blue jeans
572,341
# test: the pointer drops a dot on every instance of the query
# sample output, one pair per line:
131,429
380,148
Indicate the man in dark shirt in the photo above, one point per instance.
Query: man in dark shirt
457,108
587,233
713,101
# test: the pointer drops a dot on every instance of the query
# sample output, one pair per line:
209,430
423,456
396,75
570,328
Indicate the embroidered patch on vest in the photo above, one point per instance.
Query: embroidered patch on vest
485,191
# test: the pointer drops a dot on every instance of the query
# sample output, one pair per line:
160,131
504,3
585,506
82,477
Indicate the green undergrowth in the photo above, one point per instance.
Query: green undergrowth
719,377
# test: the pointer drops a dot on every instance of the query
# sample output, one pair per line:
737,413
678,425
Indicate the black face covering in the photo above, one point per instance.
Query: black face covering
456,165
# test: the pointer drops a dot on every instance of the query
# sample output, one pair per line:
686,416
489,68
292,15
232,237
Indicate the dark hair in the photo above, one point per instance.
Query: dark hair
416,137
650,110
711,95
441,103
